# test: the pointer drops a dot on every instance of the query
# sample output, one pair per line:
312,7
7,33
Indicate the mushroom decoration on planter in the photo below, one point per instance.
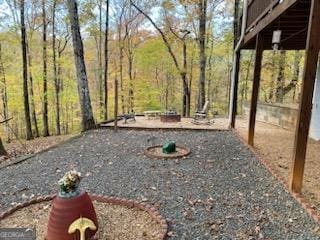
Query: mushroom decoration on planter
72,215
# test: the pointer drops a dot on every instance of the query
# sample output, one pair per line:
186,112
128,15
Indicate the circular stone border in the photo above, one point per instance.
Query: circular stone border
154,213
150,154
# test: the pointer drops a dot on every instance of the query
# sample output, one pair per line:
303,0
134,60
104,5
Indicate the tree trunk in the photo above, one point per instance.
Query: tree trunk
130,73
83,88
33,106
186,90
4,96
245,93
210,71
106,62
101,100
59,80
45,73
25,73
202,53
280,79
60,49
271,85
55,69
167,90
190,80
3,151
120,43
115,104
296,71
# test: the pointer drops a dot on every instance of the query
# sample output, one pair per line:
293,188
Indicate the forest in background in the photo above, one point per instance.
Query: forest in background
154,50
137,56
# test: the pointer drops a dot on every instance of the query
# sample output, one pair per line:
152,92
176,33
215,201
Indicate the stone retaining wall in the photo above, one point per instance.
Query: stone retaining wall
279,115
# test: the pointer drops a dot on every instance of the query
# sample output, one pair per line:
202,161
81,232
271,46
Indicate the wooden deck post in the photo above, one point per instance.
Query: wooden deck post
234,99
304,115
255,87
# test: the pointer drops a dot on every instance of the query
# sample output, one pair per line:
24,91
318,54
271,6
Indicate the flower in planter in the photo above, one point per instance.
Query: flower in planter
69,184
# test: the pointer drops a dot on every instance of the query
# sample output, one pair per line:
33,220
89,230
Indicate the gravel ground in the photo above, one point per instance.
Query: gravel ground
220,191
280,155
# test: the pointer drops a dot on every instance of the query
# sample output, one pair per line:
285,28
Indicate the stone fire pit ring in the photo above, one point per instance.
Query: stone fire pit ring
156,152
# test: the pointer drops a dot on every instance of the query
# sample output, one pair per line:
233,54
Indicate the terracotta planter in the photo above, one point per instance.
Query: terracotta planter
65,211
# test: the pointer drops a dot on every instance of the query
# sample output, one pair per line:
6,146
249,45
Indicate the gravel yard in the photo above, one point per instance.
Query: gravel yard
279,153
220,191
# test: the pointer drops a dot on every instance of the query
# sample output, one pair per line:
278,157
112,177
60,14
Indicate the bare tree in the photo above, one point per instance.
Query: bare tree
33,26
45,72
96,33
202,8
295,75
4,96
280,78
99,55
273,70
120,18
106,62
180,69
181,35
3,151
62,42
83,88
131,41
55,68
32,103
25,72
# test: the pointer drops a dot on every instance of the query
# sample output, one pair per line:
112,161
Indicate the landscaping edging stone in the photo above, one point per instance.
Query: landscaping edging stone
167,156
102,126
154,213
16,160
306,205
25,157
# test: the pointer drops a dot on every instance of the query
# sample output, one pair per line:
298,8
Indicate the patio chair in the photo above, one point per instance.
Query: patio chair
128,116
201,117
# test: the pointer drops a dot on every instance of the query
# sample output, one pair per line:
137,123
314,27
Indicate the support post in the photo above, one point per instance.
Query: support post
255,88
234,98
115,104
305,107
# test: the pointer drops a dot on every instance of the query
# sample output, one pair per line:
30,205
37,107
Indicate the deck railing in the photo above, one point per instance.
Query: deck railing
257,9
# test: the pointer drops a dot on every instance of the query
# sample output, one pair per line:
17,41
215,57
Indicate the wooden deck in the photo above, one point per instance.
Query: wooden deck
299,23
186,123
265,16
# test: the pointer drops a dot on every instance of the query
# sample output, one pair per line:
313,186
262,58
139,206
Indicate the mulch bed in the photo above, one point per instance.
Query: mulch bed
18,149
116,222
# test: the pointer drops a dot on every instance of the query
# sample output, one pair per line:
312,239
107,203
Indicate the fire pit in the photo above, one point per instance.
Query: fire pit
167,151
170,116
